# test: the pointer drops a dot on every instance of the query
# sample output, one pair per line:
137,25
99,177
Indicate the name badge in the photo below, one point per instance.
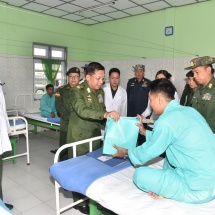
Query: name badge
144,84
207,96
100,98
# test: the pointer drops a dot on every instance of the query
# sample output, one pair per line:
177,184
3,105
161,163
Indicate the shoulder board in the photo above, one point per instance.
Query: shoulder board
80,86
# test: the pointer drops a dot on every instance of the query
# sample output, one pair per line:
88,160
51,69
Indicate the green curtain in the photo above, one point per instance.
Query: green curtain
51,68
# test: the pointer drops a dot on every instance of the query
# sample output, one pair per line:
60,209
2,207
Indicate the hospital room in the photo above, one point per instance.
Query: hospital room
107,107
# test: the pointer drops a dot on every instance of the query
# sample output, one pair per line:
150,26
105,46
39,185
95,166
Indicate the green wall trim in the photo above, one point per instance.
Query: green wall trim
134,37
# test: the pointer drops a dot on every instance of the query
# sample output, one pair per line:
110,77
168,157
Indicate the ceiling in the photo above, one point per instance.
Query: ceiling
70,9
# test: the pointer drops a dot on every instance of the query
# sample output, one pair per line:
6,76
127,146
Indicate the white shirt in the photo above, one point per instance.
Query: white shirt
82,80
5,144
118,103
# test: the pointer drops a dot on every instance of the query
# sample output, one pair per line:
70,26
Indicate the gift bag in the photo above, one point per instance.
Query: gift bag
122,133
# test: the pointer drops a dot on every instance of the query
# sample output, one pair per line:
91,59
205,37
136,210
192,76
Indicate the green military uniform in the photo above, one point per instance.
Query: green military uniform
204,101
187,96
87,113
62,103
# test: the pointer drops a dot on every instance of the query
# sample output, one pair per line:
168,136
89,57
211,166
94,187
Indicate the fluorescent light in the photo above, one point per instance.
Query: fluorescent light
97,6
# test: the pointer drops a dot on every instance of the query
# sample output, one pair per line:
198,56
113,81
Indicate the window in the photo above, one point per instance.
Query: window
42,51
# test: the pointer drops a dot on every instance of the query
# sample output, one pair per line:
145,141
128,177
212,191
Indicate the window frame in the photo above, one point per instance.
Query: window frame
36,58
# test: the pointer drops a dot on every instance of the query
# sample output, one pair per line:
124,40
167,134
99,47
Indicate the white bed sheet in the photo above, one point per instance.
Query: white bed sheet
118,193
38,117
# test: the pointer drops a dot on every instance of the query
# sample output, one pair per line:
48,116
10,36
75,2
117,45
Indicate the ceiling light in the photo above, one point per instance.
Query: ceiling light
97,6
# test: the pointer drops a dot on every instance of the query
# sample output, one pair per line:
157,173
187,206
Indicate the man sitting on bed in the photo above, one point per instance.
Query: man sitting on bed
47,103
188,173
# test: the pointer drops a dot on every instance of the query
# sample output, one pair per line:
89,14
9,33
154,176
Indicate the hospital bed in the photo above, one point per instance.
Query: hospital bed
114,190
28,107
18,125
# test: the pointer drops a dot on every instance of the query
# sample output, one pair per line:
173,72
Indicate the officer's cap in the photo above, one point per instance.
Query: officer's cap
139,67
189,74
200,61
73,70
85,66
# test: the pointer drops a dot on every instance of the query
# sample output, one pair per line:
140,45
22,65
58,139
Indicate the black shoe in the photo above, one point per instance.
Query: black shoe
84,209
53,151
9,206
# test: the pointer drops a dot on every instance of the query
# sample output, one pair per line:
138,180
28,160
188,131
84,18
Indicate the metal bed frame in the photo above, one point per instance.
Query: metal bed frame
16,131
27,101
93,208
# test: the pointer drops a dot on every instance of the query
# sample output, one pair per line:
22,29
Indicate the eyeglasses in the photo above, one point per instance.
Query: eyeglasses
98,78
74,77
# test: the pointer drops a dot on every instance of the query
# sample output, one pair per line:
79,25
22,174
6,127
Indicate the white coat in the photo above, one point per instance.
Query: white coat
5,144
118,103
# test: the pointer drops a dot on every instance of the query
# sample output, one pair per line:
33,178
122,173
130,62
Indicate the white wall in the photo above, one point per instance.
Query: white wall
17,72
175,66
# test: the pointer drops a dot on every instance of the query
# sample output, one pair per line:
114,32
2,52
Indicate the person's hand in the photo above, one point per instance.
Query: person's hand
121,152
53,114
140,125
113,114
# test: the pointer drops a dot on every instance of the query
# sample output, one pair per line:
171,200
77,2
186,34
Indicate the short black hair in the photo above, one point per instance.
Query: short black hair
163,86
114,70
49,85
165,73
92,67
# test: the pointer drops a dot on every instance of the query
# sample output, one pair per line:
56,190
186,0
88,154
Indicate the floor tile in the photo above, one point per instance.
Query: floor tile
30,188
45,194
15,193
26,202
27,179
41,209
35,185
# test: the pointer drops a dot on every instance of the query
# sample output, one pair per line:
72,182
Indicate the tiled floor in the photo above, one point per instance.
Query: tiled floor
30,188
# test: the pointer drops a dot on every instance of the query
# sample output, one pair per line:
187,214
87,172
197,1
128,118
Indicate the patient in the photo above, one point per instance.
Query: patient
47,103
188,172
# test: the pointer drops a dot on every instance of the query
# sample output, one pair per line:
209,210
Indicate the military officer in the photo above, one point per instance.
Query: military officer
137,94
189,90
204,97
62,102
87,112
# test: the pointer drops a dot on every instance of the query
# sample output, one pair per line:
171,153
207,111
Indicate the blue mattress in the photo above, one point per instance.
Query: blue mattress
18,122
78,173
54,120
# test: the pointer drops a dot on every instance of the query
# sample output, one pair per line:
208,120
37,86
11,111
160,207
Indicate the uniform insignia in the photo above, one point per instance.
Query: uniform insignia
89,100
78,87
100,98
207,96
57,94
68,87
210,85
132,84
88,90
144,84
